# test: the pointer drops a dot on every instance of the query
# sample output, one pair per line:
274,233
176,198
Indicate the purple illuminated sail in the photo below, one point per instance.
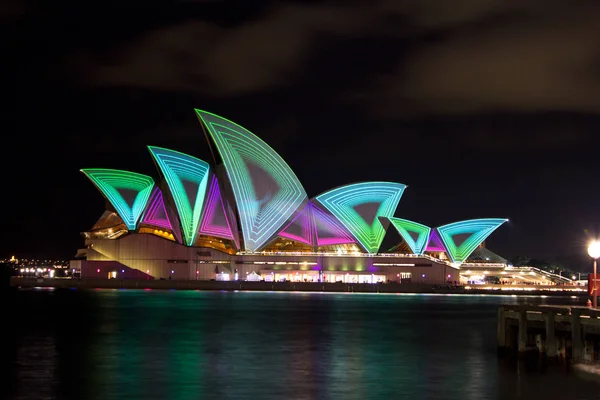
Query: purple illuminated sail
215,221
156,213
435,243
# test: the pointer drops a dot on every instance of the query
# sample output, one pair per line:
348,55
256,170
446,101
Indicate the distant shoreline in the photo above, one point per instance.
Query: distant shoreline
20,282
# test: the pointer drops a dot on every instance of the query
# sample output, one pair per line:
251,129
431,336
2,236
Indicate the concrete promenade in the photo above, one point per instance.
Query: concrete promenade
271,286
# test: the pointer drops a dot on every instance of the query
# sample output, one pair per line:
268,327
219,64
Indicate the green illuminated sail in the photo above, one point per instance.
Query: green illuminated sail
474,231
128,192
266,190
414,234
359,206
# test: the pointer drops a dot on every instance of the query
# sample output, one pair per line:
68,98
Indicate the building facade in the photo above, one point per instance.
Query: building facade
245,215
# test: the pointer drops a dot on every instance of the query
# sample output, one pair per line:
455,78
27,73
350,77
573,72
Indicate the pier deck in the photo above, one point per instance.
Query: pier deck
566,333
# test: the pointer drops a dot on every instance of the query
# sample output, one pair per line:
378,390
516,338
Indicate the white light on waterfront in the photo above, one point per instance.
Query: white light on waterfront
594,249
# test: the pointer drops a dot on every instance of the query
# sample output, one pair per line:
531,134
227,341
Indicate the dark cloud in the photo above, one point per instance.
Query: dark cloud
472,55
537,60
206,58
260,53
434,14
11,9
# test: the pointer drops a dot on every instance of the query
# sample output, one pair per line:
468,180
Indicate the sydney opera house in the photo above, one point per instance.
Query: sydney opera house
245,215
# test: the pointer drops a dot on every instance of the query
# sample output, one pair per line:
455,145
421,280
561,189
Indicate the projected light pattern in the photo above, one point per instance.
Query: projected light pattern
114,184
405,227
214,205
156,213
477,229
187,178
435,243
342,202
266,191
305,224
328,230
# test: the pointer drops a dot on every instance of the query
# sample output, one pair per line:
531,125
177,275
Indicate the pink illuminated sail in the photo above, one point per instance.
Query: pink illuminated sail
302,228
329,231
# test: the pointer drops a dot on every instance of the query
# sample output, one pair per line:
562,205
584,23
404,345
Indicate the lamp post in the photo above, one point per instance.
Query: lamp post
594,252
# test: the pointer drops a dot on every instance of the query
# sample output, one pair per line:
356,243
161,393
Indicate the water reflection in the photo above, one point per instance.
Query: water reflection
126,344
37,362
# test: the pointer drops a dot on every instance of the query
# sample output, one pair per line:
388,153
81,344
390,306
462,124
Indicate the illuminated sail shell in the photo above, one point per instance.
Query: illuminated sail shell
187,178
128,192
266,190
473,232
414,234
358,207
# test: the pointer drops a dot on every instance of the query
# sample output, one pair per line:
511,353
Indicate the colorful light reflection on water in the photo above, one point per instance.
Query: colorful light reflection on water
138,344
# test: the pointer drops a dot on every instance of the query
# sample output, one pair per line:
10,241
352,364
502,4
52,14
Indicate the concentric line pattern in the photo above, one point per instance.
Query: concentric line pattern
435,243
328,230
264,202
214,204
156,213
405,227
342,203
305,223
112,183
183,172
479,230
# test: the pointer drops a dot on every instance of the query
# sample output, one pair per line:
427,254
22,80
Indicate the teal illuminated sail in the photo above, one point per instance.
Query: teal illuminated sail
187,179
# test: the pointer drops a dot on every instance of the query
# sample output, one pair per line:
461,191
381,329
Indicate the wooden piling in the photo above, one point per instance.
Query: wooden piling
551,345
501,329
576,339
522,347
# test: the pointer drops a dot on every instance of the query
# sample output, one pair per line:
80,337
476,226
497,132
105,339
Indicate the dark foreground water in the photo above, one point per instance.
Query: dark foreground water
129,344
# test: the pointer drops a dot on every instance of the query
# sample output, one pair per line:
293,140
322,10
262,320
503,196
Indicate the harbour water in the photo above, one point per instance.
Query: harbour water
154,344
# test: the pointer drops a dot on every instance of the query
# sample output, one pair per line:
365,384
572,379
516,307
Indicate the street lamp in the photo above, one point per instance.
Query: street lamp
594,252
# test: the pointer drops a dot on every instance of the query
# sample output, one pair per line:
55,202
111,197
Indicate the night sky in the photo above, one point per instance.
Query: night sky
484,108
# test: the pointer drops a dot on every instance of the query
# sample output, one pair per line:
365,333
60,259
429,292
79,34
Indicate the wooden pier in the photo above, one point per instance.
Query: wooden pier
564,334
